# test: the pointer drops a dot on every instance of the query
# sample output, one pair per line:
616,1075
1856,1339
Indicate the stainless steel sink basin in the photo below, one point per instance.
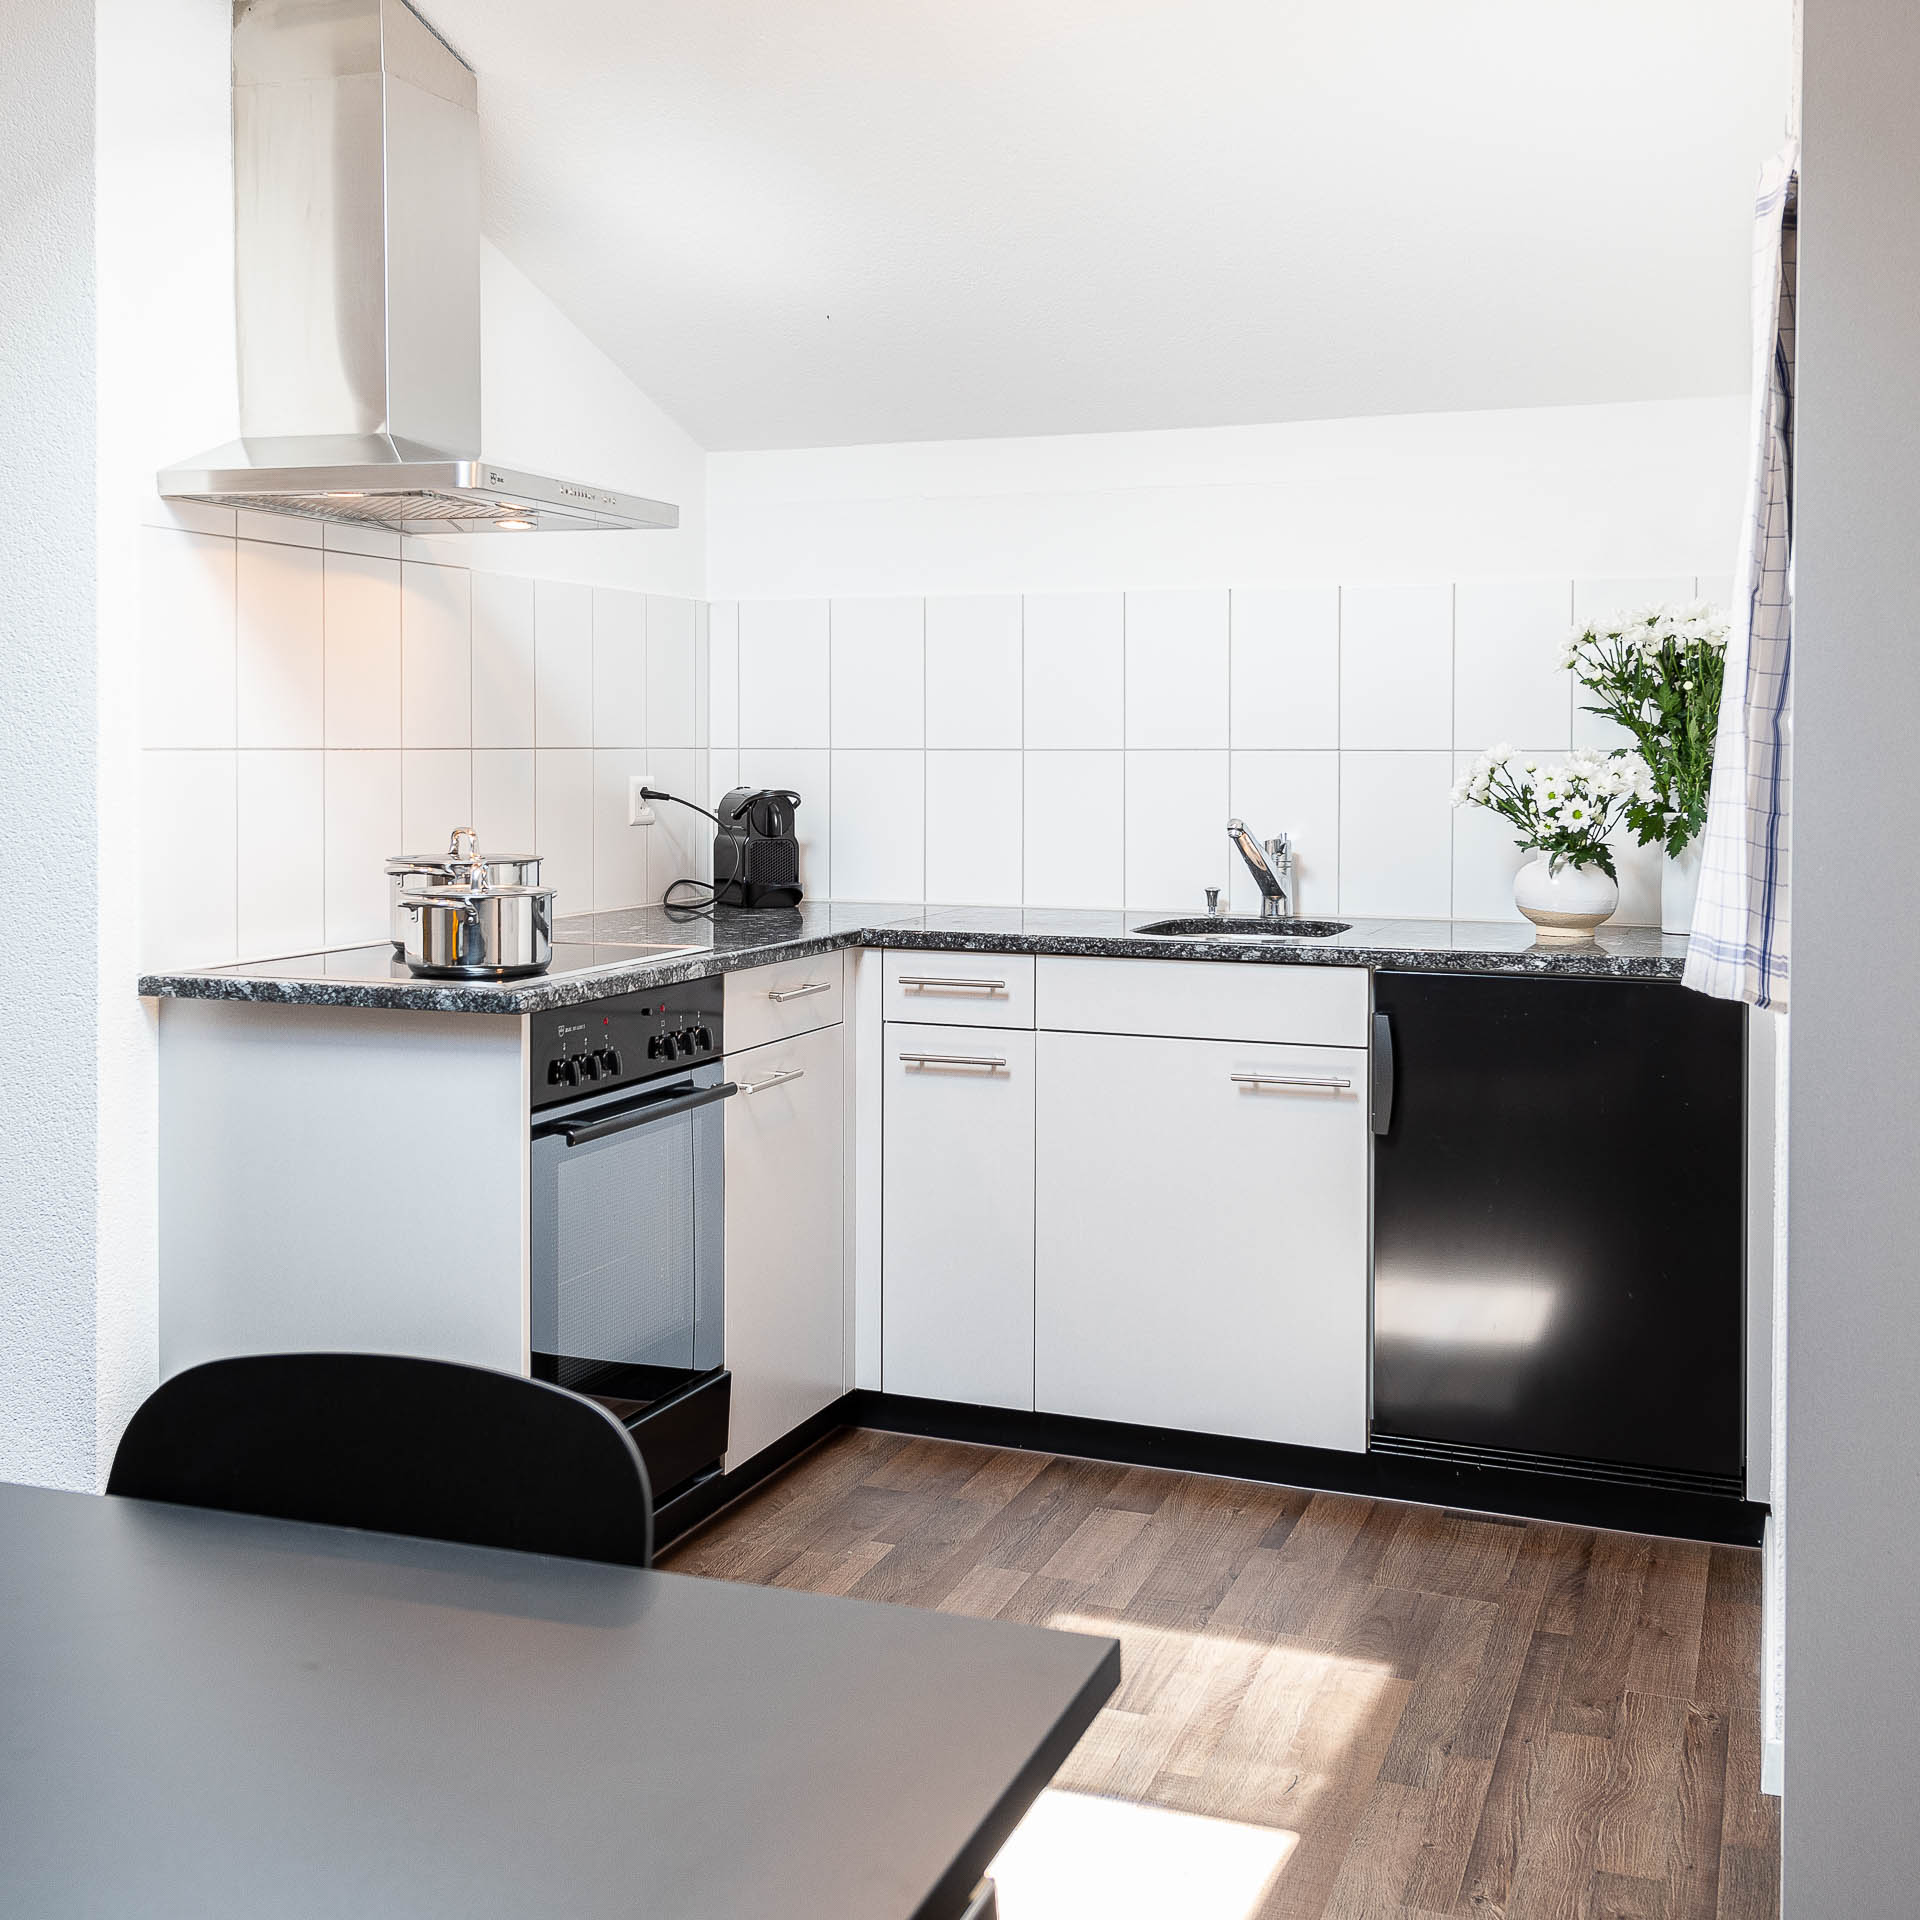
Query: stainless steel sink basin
1226,926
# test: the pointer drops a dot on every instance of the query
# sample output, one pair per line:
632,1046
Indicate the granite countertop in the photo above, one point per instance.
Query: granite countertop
620,953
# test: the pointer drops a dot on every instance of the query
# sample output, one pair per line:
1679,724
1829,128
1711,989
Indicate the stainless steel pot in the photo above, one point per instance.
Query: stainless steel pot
474,932
420,872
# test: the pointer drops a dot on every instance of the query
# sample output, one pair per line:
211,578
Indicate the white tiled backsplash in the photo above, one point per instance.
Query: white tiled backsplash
313,704
1087,749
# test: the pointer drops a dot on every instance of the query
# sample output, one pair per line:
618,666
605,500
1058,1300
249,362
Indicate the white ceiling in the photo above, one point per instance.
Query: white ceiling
823,222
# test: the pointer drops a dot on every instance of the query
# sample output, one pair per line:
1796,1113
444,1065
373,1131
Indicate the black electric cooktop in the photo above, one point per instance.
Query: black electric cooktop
380,963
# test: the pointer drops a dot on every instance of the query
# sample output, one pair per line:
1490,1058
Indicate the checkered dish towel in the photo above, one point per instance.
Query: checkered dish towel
1738,949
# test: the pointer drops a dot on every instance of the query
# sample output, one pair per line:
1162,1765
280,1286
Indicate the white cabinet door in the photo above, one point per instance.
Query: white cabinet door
1201,1236
785,1276
957,1214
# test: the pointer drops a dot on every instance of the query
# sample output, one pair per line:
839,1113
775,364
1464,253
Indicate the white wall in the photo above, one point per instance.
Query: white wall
1649,488
1853,1326
1045,671
49,967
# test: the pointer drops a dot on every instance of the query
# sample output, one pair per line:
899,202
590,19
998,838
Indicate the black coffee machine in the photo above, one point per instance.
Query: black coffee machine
756,858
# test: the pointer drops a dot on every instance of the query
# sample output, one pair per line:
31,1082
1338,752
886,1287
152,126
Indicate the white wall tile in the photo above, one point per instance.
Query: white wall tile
364,830
1638,868
191,516
1396,835
1075,670
1485,855
1176,652
362,651
1508,683
619,668
723,773
1593,598
723,671
807,772
974,692
879,681
974,814
702,675
1716,589
436,656
1285,644
502,661
187,639
879,825
436,796
503,813
673,707
1396,667
784,699
282,852
189,839
680,847
563,825
1075,829
620,851
376,543
279,529
563,664
1296,793
1176,812
282,673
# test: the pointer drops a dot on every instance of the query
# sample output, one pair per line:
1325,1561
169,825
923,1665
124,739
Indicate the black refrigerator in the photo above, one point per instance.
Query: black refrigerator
1559,1227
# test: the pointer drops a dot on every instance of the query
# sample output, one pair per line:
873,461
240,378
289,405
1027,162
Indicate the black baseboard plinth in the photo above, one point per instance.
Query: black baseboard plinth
1718,1518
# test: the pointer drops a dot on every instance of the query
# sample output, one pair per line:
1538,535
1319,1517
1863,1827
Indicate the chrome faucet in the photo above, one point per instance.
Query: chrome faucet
1271,867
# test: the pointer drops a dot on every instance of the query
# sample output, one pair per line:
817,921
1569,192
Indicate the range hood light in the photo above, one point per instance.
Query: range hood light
513,525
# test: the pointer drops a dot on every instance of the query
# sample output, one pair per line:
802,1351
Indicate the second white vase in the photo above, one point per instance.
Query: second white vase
1680,886
1567,905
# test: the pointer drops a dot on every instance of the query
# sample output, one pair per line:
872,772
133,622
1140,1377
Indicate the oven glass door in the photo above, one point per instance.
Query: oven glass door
628,1217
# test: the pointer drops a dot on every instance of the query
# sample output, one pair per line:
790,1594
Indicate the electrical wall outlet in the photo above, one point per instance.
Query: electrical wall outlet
639,813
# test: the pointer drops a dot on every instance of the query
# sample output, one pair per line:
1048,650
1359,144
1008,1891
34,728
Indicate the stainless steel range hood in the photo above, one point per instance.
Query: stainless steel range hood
356,162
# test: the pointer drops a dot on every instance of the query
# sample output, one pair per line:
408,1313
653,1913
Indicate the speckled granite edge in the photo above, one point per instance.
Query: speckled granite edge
1441,947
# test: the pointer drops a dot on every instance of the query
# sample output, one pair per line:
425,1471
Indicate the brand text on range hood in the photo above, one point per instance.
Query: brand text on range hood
356,161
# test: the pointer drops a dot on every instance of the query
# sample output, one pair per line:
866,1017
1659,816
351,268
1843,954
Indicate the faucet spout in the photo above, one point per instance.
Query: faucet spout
1271,866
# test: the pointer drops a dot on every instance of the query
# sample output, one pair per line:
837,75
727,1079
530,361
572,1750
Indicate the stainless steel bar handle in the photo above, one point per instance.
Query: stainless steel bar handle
779,1079
778,994
1288,1080
935,980
952,1060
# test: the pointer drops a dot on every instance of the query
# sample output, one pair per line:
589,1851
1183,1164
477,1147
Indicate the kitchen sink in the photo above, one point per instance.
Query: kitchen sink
1226,926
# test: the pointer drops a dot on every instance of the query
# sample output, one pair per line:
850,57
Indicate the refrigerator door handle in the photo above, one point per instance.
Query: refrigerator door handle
1382,1088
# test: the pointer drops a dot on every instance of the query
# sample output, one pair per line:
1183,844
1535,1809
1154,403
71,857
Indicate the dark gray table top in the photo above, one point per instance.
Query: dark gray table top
208,1715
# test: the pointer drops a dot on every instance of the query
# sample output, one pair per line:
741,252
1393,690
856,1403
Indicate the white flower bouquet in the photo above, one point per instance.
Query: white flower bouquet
1658,672
1565,810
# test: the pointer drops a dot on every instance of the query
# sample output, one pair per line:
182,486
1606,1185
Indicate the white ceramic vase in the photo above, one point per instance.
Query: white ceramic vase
1567,905
1680,886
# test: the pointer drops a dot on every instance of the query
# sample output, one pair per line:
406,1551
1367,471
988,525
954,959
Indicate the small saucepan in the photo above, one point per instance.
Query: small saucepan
421,872
472,931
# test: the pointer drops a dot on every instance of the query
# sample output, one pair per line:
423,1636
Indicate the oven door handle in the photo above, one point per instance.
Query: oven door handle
578,1135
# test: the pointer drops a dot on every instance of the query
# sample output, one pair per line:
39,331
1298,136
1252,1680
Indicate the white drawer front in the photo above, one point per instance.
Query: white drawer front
1205,1000
793,996
960,989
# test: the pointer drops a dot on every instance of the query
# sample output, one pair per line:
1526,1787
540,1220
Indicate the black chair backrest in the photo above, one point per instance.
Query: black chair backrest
395,1445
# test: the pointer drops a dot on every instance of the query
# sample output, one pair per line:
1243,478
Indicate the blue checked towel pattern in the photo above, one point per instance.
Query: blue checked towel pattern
1738,949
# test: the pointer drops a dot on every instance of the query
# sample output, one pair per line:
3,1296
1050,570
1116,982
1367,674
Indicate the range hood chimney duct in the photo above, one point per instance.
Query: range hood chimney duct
356,169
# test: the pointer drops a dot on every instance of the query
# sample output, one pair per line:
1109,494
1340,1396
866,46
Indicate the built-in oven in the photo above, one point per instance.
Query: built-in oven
628,1213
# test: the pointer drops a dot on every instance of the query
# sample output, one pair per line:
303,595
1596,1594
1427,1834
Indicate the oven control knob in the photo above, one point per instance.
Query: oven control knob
590,1065
703,1038
657,1044
610,1062
685,1040
556,1072
570,1068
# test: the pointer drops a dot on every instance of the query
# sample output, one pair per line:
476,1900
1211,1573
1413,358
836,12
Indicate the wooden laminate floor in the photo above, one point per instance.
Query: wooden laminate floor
1456,1715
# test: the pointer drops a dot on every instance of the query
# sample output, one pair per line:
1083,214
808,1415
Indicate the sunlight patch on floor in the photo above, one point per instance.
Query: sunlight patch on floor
1077,1856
